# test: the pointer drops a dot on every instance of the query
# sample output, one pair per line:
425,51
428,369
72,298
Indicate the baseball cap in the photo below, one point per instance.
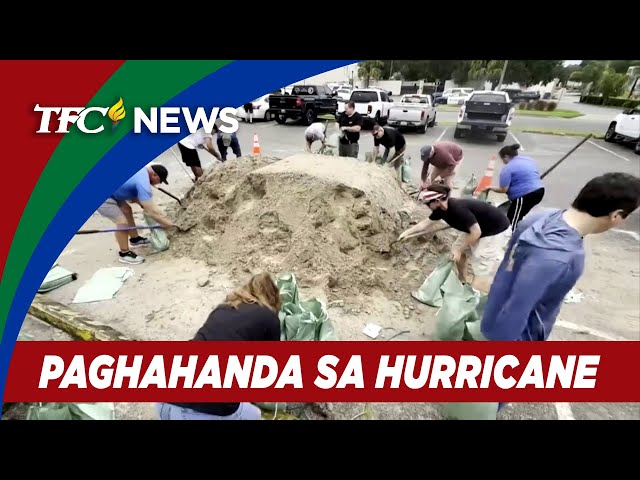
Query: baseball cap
427,196
162,172
425,152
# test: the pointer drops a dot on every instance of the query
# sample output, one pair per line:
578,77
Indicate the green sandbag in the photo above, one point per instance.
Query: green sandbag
471,186
458,306
71,411
406,170
157,236
471,411
430,292
307,320
271,406
288,288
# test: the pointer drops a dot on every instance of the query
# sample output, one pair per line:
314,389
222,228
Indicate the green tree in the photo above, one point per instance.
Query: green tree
611,84
370,70
485,70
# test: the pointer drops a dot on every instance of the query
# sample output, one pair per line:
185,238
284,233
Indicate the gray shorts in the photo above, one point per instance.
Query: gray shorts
111,210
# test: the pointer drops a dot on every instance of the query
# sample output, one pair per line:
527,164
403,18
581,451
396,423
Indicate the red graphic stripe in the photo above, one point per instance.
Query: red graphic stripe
352,372
23,85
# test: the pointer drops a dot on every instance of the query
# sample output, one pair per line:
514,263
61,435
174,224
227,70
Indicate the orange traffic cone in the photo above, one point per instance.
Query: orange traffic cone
487,178
256,145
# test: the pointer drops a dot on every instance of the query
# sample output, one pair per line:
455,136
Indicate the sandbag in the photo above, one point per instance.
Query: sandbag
157,236
471,186
461,307
56,278
302,320
406,170
430,292
471,410
71,411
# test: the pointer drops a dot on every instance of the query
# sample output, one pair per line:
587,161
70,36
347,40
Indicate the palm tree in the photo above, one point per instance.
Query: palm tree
370,70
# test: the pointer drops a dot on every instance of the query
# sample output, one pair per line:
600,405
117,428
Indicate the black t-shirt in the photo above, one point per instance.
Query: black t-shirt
350,121
462,214
392,138
249,322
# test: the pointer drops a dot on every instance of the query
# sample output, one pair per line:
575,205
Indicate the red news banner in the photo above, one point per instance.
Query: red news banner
324,372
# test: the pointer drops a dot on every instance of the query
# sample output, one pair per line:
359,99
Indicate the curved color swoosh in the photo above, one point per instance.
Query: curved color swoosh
233,84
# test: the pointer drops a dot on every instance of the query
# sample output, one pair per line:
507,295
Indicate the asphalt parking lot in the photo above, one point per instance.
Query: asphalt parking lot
593,158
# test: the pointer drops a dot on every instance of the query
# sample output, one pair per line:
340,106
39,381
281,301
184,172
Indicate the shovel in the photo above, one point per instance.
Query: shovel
172,196
182,228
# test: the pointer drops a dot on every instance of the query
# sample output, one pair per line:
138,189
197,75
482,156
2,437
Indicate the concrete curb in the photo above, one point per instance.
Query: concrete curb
72,322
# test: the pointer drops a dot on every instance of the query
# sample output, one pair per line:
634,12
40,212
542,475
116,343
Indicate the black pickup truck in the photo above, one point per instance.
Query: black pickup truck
306,102
518,96
486,112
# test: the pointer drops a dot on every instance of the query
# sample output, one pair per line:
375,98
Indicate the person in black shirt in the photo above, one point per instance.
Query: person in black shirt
248,108
483,238
389,138
248,314
350,123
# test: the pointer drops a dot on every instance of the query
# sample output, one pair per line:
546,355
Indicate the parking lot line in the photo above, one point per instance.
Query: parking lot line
517,141
564,411
607,150
591,331
442,134
627,232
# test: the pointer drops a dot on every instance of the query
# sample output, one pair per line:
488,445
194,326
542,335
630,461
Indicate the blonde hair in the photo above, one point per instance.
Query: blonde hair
260,289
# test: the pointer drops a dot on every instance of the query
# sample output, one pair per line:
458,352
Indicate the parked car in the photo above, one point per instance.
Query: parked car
625,128
306,102
413,111
457,96
517,96
344,93
260,109
371,103
438,98
388,92
487,112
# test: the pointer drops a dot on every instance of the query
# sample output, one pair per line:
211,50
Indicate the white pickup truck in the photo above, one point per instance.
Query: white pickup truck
625,128
413,111
372,104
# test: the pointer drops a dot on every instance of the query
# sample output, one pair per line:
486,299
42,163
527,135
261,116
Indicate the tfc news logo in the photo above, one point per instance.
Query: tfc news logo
159,120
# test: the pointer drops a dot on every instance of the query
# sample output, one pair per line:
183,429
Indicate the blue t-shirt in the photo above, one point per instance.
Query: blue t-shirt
520,176
137,187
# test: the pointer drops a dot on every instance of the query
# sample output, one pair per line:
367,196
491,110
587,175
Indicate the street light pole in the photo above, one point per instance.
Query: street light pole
504,70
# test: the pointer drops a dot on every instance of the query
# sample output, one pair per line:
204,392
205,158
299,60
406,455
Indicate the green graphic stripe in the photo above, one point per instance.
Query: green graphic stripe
140,84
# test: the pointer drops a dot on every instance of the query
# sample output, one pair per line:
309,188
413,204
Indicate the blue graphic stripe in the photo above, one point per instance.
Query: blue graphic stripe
235,84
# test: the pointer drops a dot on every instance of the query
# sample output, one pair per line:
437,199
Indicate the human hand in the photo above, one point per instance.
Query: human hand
456,255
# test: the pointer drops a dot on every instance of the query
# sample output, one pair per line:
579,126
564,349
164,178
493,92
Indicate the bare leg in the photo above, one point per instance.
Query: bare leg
462,268
482,284
128,222
197,171
122,237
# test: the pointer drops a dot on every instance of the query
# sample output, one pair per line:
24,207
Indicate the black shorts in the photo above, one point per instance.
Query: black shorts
189,156
521,206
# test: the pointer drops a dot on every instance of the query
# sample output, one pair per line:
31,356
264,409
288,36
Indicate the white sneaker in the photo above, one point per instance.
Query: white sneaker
130,258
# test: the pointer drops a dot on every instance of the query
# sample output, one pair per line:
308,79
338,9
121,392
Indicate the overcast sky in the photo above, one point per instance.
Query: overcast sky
572,62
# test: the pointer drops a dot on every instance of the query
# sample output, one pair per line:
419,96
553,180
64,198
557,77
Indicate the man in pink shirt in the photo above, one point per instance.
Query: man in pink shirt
444,158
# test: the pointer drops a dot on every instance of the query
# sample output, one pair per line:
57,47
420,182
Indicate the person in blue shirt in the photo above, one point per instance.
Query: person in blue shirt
545,258
520,180
117,209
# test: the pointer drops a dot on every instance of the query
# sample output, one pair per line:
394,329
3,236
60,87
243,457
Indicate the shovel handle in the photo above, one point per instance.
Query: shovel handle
124,229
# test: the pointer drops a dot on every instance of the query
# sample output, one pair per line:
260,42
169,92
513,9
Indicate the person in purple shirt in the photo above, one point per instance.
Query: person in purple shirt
520,180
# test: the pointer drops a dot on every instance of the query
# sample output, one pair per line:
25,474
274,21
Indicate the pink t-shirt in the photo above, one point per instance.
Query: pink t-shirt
446,155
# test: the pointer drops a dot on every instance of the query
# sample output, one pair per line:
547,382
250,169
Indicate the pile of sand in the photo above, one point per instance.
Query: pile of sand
329,220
